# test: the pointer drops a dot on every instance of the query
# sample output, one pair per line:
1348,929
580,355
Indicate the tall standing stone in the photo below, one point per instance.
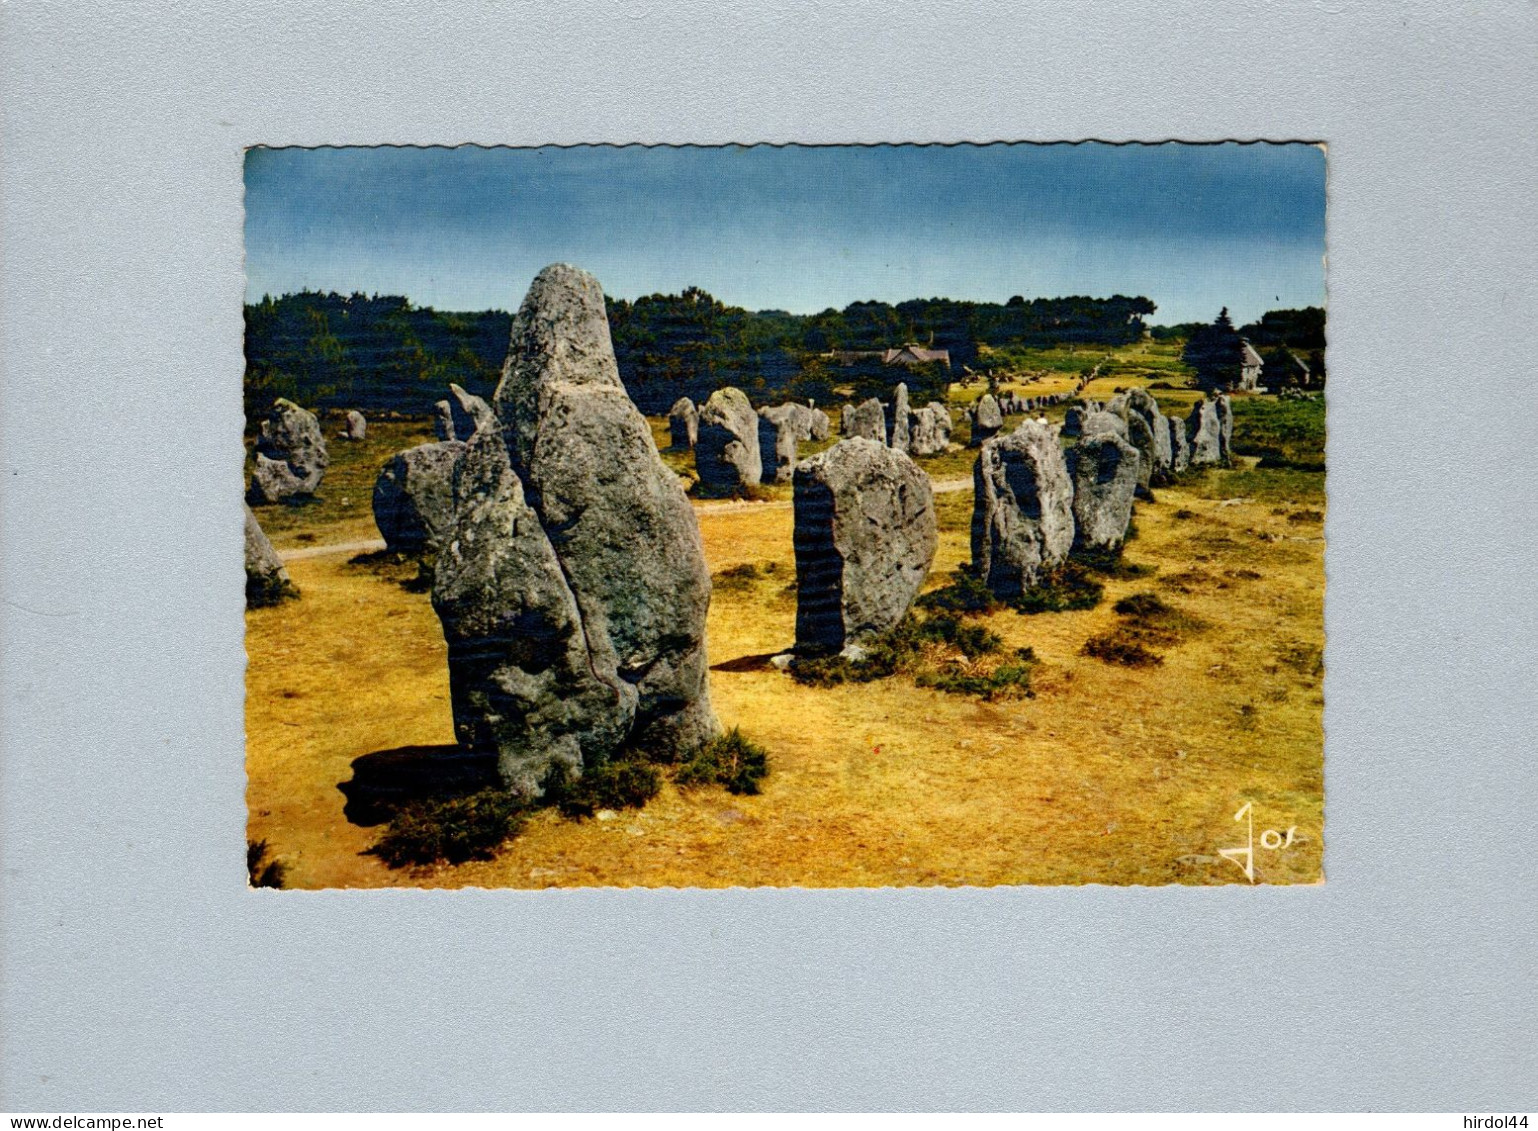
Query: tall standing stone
683,424
929,430
1140,402
291,457
987,420
1104,469
1073,421
521,681
443,421
865,536
267,580
726,450
867,419
1204,432
778,429
897,424
1180,447
616,517
1225,427
1022,508
468,413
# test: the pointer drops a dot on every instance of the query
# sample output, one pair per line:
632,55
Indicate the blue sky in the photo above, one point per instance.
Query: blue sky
1194,228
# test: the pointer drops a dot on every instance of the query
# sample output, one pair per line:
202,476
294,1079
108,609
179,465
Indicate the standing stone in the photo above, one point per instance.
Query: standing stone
1226,428
356,427
291,458
897,422
521,680
617,518
845,419
929,430
987,421
1104,470
778,428
867,419
1204,433
865,536
683,424
468,413
414,497
267,580
1140,402
818,426
1180,448
1073,421
443,421
1022,508
726,449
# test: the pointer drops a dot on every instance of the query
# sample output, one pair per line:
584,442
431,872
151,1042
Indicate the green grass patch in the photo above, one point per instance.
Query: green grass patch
1283,433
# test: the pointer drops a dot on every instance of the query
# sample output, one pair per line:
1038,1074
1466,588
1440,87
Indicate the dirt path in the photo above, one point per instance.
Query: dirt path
944,486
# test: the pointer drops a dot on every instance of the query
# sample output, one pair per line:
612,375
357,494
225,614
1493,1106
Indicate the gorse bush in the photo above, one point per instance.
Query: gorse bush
1066,588
452,830
730,760
941,652
619,784
967,593
263,873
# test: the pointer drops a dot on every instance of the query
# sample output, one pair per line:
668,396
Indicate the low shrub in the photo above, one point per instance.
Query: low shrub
1009,680
264,592
457,829
263,873
1115,647
1066,588
621,784
967,594
1306,516
738,578
730,760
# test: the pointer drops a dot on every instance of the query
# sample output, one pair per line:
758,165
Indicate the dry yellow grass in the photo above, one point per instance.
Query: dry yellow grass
1109,775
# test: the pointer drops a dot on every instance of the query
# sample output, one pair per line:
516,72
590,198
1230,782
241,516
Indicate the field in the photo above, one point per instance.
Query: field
1108,774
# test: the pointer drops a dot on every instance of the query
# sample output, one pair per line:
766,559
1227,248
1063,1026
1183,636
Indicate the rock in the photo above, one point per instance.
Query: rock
683,424
845,419
617,518
1180,448
726,449
929,430
1073,421
521,679
1099,420
267,580
1104,469
356,427
867,419
865,536
1204,434
1139,411
818,426
1226,428
1141,403
469,413
443,421
291,455
778,429
897,420
987,421
414,497
1022,508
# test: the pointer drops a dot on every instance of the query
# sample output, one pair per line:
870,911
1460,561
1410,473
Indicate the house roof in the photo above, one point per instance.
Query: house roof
1250,356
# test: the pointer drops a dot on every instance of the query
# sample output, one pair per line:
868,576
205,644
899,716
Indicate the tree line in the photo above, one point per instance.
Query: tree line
381,353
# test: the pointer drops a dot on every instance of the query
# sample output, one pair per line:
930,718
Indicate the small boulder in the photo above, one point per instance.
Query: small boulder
987,421
726,450
868,420
683,424
865,535
414,497
1022,508
1073,421
267,580
356,426
291,458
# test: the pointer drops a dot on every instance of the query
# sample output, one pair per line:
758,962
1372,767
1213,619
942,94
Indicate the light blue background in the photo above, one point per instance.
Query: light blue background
140,974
